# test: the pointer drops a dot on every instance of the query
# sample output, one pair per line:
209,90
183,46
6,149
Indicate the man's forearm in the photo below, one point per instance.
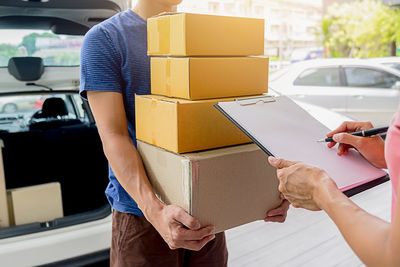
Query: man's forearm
127,166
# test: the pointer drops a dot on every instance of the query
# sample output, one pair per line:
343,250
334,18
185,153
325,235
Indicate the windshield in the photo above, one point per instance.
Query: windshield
55,49
19,111
393,65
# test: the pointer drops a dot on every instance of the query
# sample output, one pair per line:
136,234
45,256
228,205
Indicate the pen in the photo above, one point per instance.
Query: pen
364,133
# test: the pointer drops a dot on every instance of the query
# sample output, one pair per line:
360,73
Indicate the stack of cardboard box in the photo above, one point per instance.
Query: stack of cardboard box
198,61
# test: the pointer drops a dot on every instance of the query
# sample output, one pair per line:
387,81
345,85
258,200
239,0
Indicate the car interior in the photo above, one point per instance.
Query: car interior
55,146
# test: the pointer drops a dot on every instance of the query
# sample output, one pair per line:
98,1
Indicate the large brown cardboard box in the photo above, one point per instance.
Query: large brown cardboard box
181,126
209,77
224,187
38,203
185,34
4,218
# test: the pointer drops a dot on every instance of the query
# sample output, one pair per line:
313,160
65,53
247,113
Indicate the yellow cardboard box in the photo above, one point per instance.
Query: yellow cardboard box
185,34
224,187
4,218
182,126
209,77
38,203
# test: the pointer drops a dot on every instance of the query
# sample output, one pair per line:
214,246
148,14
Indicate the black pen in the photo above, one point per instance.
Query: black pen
364,133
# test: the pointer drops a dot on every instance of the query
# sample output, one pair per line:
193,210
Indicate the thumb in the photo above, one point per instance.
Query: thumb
280,163
348,139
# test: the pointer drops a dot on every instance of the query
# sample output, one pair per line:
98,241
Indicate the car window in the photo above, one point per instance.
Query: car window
16,112
393,65
319,77
78,103
54,49
365,77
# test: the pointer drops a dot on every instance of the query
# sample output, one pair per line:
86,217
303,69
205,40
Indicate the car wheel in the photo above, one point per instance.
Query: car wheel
9,108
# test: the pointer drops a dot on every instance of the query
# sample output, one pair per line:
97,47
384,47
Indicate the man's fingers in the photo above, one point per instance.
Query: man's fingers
184,218
282,209
280,219
280,163
190,235
197,245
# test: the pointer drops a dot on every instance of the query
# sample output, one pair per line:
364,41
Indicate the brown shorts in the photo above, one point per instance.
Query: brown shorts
135,242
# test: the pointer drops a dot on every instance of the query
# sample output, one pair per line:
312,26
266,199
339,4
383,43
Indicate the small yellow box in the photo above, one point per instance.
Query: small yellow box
185,34
182,126
209,77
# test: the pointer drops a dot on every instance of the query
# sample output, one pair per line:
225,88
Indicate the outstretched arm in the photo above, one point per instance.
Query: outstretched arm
376,242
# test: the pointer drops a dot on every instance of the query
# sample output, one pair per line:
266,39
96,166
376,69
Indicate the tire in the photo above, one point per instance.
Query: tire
9,108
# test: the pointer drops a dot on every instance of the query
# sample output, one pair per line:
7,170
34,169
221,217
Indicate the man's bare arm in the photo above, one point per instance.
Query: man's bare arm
179,229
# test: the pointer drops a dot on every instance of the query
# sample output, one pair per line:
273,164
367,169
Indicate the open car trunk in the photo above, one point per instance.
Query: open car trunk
45,61
64,149
70,155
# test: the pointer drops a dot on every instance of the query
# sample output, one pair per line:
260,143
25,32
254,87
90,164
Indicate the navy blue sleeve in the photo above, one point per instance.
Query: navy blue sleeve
100,63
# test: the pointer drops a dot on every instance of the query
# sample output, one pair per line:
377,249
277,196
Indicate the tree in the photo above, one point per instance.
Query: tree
360,29
29,41
7,51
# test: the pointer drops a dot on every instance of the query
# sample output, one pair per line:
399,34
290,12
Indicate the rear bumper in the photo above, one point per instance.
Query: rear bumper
94,259
68,244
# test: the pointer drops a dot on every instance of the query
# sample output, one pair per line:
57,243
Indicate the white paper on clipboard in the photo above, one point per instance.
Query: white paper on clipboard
282,128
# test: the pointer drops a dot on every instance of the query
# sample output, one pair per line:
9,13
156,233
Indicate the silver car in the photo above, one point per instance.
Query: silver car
360,89
46,143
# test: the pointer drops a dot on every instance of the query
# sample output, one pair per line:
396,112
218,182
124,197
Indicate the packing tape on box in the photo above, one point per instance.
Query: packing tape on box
168,77
163,30
187,183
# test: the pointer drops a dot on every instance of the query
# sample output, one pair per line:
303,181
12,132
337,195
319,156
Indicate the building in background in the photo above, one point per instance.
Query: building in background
290,24
327,3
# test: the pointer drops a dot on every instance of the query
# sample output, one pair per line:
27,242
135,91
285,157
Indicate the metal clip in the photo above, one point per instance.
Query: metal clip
254,100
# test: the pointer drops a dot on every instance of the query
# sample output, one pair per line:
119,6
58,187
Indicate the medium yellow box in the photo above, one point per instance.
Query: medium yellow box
185,34
209,77
182,126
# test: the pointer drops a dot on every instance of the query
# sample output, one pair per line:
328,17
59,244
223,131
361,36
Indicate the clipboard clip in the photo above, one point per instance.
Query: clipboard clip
247,101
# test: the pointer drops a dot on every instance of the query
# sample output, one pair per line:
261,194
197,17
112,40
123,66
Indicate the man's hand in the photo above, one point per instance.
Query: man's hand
302,184
372,148
278,214
178,228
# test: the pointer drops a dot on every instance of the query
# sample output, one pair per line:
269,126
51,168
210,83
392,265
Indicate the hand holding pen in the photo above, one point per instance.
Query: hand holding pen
372,148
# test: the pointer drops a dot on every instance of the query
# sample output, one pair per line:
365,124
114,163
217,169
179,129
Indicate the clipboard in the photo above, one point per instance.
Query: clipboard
283,129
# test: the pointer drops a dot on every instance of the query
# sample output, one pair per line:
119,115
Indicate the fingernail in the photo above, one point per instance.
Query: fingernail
271,159
337,137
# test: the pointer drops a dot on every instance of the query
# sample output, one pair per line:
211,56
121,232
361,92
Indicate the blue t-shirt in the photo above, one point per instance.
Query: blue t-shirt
114,58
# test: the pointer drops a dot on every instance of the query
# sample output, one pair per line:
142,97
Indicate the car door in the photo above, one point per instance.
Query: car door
320,86
372,94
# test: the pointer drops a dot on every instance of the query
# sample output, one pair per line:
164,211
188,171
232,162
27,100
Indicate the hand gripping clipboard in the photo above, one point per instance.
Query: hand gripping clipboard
283,129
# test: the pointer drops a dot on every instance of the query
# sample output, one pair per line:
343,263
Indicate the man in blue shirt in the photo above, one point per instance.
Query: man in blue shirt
146,232
115,67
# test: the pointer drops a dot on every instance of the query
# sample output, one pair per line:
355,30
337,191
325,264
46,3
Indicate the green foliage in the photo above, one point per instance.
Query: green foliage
67,59
360,29
29,41
7,51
